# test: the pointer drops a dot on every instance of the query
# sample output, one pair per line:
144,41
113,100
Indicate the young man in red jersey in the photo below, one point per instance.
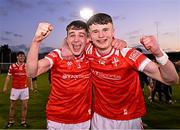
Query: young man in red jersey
118,97
19,90
69,104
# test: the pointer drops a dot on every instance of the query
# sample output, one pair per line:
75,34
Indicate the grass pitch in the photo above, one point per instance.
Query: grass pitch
159,115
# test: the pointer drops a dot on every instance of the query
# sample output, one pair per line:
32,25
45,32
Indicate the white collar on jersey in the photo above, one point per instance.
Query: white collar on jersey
106,56
19,64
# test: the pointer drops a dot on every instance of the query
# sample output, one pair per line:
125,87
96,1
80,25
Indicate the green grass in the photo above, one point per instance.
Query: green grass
36,106
159,115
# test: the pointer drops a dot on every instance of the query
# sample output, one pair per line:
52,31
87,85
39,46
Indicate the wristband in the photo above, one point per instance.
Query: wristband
163,59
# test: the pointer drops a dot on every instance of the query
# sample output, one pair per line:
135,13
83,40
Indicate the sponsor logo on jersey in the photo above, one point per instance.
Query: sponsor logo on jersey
69,76
18,73
106,76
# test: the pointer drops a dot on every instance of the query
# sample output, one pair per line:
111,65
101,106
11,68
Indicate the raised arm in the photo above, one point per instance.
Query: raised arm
165,70
35,67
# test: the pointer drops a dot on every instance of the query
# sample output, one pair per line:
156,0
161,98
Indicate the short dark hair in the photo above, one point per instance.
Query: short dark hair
20,52
77,25
99,18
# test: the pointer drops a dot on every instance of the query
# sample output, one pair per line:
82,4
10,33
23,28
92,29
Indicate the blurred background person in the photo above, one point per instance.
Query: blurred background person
19,90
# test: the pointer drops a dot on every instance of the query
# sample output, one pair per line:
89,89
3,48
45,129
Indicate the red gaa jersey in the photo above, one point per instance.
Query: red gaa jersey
117,90
71,89
18,73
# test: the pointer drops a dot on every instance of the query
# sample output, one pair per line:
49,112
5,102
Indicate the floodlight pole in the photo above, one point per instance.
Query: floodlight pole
157,30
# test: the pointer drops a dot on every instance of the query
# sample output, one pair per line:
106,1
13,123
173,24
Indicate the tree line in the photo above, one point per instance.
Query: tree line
7,56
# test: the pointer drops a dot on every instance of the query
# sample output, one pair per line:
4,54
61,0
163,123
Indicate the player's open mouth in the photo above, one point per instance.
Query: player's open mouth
76,48
102,41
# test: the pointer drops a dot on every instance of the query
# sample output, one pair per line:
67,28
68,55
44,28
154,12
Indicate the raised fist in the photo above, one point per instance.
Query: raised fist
150,43
42,31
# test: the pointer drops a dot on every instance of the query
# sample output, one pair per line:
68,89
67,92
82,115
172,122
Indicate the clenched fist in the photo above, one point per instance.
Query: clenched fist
150,43
42,31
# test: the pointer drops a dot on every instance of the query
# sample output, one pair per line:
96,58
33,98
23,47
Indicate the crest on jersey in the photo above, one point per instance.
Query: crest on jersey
102,61
21,67
115,61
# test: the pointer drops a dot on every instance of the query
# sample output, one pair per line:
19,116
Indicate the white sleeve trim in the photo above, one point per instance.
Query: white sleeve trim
50,61
89,49
59,53
124,51
143,64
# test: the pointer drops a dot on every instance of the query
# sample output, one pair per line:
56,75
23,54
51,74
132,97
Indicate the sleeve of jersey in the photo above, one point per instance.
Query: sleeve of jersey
88,48
52,56
136,59
10,69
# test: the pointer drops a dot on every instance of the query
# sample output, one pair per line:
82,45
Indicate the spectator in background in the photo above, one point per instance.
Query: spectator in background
19,90
167,90
157,89
161,90
148,82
